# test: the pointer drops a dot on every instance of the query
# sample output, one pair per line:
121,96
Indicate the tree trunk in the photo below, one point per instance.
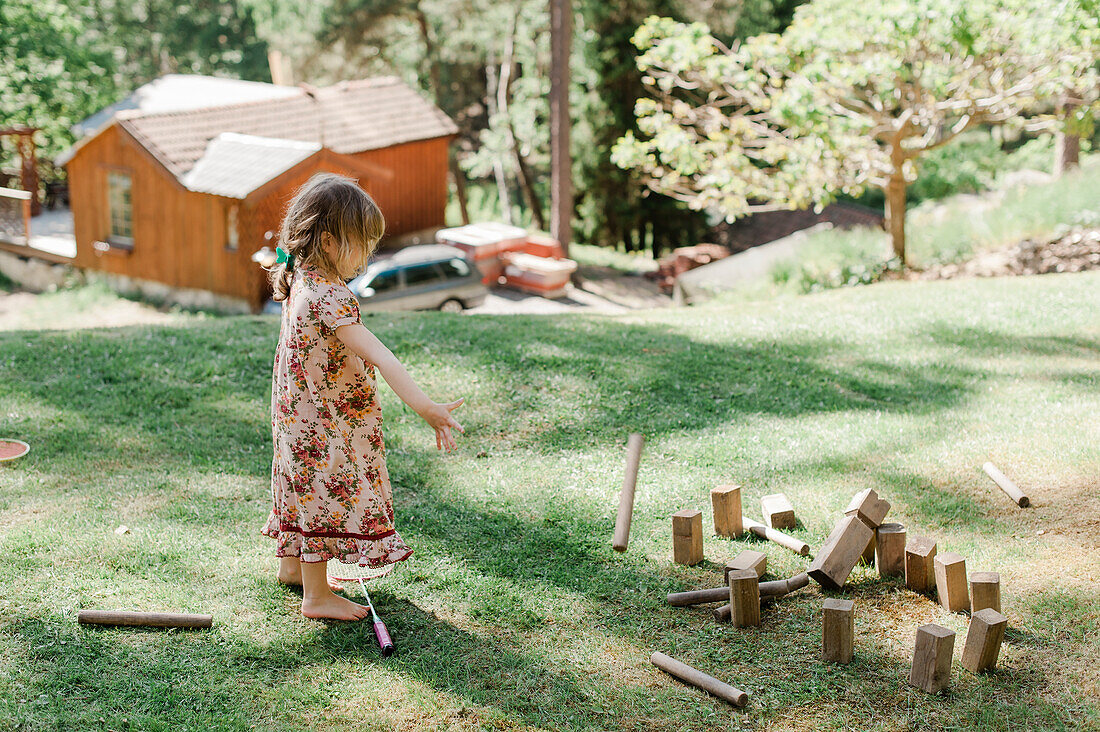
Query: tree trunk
457,176
493,84
895,214
561,164
1067,145
504,99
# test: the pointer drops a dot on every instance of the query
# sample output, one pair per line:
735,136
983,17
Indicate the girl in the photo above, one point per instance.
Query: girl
328,478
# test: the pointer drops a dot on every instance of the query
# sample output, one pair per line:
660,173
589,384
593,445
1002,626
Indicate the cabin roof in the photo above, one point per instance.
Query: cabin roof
235,165
347,118
178,92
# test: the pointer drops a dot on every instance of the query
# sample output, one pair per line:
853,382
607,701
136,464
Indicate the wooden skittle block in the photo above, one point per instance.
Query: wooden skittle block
983,640
868,557
744,598
748,559
890,550
838,630
985,591
687,537
920,554
839,554
778,512
951,582
869,507
726,502
931,669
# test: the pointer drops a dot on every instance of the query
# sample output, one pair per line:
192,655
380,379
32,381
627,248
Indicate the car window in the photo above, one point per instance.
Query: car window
456,268
422,274
385,281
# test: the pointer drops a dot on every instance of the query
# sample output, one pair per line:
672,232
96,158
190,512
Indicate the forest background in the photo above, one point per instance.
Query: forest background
485,63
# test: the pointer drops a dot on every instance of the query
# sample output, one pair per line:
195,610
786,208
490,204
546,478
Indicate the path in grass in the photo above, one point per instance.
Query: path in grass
514,612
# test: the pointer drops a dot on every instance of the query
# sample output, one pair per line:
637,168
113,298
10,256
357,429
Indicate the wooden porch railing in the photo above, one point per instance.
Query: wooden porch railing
15,217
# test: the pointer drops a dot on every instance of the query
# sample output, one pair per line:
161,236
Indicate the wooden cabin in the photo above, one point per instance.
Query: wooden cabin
185,198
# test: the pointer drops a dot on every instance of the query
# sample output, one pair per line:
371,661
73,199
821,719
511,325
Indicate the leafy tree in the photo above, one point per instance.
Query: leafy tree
850,95
49,76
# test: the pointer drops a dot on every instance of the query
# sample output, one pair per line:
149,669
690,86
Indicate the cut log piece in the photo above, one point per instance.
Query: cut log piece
748,559
778,512
726,502
920,555
985,591
838,630
890,550
931,669
687,537
841,551
744,598
869,507
951,582
983,640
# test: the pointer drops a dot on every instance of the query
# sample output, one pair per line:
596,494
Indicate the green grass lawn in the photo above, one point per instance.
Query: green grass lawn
514,612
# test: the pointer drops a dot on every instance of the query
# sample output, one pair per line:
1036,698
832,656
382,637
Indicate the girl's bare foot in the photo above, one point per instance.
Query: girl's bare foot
290,573
333,607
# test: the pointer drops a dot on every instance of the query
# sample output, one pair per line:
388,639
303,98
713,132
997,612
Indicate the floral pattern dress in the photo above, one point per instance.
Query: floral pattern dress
329,482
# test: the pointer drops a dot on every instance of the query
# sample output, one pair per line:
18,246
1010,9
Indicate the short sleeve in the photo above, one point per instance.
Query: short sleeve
338,307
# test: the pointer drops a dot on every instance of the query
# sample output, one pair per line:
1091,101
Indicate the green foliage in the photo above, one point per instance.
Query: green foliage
851,95
51,76
63,60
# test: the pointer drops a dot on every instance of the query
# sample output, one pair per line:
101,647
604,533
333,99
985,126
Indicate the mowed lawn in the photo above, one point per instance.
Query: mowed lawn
514,612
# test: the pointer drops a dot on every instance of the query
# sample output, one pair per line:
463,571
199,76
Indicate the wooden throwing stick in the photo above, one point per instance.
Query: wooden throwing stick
626,497
699,680
1006,485
148,620
766,532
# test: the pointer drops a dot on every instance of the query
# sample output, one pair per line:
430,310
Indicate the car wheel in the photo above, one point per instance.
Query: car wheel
451,306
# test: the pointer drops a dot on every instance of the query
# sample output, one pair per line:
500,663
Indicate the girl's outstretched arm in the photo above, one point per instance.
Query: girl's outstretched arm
367,346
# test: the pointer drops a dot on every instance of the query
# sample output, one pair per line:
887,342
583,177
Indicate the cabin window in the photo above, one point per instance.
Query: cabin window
231,234
119,204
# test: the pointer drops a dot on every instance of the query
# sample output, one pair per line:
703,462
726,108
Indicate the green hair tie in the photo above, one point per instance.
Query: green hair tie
282,255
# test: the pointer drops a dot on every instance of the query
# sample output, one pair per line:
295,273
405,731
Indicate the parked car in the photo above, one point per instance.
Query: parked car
422,277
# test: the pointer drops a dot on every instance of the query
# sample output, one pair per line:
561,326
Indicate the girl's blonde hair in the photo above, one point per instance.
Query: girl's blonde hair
332,204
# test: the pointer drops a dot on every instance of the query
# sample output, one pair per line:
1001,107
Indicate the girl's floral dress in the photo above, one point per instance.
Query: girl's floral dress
329,480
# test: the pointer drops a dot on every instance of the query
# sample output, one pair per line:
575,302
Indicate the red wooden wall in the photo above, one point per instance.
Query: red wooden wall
180,236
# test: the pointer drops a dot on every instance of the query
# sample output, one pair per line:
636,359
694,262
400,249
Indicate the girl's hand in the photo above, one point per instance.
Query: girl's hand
439,417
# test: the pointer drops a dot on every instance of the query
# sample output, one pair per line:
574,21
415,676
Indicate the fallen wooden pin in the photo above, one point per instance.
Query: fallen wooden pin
764,532
774,588
768,591
747,559
151,620
849,540
626,497
1006,485
700,680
